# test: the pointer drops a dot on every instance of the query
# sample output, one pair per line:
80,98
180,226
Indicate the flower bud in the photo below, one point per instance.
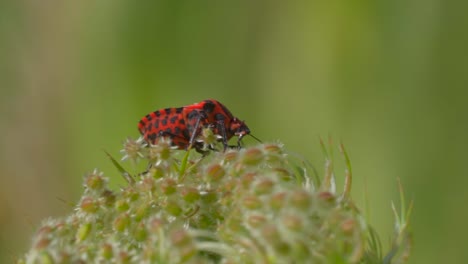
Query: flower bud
190,194
106,251
215,172
95,181
88,205
121,222
168,186
83,232
140,233
251,202
264,186
252,156
292,222
278,200
256,220
300,199
173,208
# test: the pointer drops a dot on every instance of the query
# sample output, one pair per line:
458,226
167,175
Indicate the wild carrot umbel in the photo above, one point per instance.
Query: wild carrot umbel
253,205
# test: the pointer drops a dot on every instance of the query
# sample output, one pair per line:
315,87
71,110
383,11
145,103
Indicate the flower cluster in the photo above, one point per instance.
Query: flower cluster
240,206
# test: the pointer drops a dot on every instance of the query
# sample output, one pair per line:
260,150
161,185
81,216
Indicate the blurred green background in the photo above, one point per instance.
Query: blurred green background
388,78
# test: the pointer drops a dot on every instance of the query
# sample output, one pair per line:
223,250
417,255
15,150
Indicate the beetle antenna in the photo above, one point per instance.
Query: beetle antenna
256,138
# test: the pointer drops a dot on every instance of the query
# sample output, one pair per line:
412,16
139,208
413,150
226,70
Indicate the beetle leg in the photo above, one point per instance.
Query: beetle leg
222,129
239,142
195,130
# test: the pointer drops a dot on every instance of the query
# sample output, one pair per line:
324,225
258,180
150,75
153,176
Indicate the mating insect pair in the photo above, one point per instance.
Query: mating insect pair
184,124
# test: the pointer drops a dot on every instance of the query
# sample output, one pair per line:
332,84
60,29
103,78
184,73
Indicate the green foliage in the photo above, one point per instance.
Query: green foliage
253,205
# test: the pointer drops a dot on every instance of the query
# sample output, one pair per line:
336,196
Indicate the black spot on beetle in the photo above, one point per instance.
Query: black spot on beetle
193,114
174,119
164,121
208,107
152,136
219,116
177,130
156,124
157,113
186,133
182,121
149,117
168,110
168,131
179,110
